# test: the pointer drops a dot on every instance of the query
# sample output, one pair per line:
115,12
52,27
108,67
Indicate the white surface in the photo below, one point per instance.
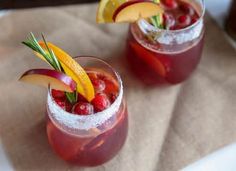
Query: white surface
4,162
3,12
218,9
222,160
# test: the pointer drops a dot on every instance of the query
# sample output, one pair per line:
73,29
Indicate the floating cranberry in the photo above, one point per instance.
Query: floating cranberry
184,21
194,19
187,8
57,94
99,85
82,108
68,106
100,102
112,97
61,103
81,98
92,75
171,4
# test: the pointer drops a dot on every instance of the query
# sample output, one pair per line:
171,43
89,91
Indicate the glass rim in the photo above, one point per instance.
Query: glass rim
86,118
179,30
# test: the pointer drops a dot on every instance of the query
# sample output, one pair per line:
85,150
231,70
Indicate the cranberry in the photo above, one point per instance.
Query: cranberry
177,27
111,84
64,104
194,19
98,84
171,4
68,106
81,98
184,20
100,102
169,20
92,75
112,97
57,94
61,103
187,8
82,108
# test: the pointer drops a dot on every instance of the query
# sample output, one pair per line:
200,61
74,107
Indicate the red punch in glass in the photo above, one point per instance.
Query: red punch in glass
171,54
89,134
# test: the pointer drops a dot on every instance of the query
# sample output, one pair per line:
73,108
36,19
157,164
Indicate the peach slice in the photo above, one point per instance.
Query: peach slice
134,10
44,77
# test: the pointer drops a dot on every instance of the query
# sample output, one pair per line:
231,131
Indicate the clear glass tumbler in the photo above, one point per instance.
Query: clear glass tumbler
89,140
166,56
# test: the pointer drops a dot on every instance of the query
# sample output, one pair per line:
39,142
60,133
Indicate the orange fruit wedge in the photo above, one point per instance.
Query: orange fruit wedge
106,9
72,69
150,59
134,10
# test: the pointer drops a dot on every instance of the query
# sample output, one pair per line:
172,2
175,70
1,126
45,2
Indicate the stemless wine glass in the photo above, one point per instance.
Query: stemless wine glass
166,56
89,140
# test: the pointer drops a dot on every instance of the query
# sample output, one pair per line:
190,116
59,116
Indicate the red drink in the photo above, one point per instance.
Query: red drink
230,24
89,140
168,55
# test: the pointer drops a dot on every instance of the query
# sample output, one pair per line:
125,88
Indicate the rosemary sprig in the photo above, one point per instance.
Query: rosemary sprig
50,57
72,97
157,20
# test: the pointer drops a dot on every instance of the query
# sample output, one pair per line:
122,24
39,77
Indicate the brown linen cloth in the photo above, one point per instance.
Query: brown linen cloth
169,127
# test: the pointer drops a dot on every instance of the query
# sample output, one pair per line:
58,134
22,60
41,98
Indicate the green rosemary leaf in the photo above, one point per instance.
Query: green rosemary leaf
29,45
71,97
153,20
56,61
34,45
39,48
50,57
157,20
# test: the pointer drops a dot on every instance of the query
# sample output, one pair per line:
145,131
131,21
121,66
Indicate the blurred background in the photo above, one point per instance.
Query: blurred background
223,11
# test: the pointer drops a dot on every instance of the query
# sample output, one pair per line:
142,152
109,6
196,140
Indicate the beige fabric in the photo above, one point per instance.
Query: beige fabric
169,127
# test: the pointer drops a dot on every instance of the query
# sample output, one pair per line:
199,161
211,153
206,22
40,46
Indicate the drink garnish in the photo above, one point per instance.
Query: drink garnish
157,20
56,79
64,64
106,9
128,11
74,70
132,11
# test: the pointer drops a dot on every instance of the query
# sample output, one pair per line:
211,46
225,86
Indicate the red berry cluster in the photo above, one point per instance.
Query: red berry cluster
60,99
106,93
178,14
